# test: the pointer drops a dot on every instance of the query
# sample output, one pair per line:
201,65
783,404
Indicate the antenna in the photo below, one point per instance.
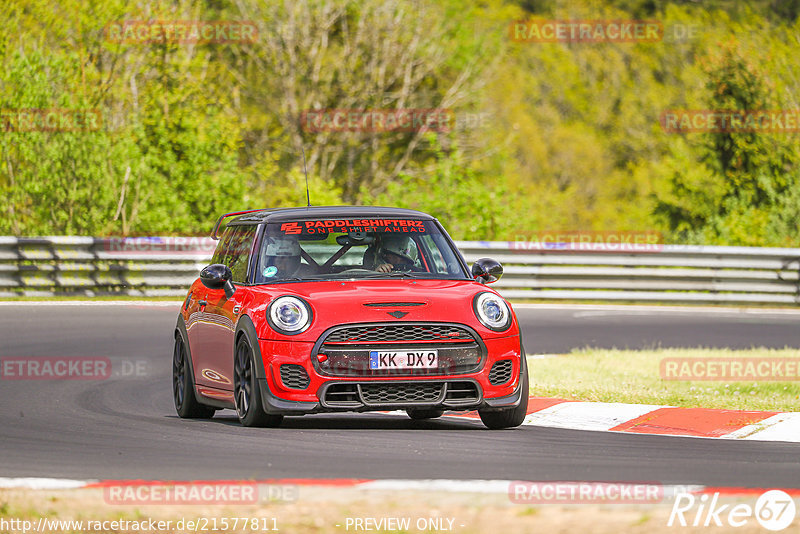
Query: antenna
305,170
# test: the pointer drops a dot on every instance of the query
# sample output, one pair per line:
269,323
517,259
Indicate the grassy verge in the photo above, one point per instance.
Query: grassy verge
635,377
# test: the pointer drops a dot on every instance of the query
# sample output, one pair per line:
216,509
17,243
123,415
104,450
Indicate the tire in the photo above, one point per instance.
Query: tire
510,417
419,414
249,407
183,385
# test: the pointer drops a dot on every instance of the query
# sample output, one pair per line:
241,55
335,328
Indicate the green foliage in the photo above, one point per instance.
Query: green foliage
739,196
456,194
567,136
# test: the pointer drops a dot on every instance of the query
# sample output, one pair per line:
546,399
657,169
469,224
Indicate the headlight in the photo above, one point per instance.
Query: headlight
492,311
289,315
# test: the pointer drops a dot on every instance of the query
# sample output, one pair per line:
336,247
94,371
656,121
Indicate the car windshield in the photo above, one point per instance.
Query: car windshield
326,249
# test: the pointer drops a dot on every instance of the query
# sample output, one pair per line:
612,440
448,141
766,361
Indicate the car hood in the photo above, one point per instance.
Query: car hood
359,301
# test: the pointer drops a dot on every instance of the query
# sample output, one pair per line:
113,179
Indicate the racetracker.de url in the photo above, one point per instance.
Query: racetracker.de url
199,524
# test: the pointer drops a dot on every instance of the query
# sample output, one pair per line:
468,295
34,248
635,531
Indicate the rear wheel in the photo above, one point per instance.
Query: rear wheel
183,385
419,414
245,389
510,417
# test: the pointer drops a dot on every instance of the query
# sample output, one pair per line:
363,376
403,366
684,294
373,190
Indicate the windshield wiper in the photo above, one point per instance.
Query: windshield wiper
395,274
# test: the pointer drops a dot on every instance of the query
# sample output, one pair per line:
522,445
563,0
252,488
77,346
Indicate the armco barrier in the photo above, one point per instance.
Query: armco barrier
165,266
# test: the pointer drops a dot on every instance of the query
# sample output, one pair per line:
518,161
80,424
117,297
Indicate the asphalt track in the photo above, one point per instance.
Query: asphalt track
125,426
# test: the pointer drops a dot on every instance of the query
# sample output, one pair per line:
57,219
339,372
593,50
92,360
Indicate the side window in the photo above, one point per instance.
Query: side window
234,249
222,247
439,265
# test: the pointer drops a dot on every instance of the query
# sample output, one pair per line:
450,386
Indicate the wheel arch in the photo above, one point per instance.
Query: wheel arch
180,330
246,328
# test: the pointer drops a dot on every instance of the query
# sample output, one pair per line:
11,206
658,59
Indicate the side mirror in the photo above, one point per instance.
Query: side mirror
218,276
487,270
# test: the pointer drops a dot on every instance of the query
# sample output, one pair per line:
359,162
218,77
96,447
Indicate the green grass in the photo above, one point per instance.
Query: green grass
634,377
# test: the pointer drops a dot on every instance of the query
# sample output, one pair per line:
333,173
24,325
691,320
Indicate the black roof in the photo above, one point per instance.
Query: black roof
326,212
316,212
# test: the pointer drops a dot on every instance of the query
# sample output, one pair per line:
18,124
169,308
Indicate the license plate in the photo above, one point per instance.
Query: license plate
403,359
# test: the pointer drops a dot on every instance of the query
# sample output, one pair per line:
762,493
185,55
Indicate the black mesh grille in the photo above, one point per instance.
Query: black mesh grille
451,394
294,376
394,333
343,395
459,392
501,372
354,360
401,393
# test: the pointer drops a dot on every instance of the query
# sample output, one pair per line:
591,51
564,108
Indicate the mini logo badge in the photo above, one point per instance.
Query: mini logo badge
398,314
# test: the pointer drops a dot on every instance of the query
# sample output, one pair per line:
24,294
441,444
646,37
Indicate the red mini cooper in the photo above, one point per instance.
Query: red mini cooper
332,309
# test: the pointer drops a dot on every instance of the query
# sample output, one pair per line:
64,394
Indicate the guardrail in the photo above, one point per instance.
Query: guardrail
162,266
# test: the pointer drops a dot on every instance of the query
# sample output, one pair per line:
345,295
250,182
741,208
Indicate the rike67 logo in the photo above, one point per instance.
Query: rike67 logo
774,510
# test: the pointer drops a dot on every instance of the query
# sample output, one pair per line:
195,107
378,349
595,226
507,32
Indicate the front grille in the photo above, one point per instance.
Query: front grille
345,350
294,376
393,304
501,372
343,395
354,361
451,394
392,333
398,393
458,392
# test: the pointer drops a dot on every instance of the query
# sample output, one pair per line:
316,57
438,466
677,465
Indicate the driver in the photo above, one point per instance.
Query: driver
280,257
398,253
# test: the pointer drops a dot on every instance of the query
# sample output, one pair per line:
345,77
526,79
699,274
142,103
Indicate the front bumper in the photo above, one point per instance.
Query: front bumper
361,394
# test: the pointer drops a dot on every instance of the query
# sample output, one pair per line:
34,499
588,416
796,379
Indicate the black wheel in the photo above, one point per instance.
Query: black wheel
510,417
183,385
245,390
419,413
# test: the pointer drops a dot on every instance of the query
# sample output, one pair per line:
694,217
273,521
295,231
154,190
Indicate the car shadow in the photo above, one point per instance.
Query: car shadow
359,421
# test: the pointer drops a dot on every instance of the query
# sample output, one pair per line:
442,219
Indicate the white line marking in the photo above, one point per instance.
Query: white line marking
43,483
588,415
441,485
467,486
779,427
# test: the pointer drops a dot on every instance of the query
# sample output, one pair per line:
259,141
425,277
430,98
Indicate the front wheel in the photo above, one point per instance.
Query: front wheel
510,417
245,389
183,385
